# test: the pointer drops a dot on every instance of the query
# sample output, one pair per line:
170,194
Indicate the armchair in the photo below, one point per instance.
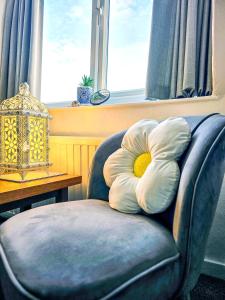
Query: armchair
85,250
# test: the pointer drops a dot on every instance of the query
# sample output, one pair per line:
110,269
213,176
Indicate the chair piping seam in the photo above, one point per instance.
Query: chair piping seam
140,275
13,278
23,290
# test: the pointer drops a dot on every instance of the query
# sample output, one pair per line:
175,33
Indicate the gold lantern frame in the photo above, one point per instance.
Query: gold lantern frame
24,139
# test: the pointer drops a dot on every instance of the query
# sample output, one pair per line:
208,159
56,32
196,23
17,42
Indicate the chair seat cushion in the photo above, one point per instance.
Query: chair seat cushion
86,250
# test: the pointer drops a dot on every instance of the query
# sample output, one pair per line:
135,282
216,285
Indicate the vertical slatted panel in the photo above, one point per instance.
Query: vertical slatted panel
77,171
91,152
52,155
77,159
63,165
73,155
70,168
56,163
84,168
70,160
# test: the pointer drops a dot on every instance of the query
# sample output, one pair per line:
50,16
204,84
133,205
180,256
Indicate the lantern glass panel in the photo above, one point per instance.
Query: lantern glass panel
37,139
9,140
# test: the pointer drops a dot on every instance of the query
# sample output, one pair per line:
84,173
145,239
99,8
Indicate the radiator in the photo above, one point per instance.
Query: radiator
73,155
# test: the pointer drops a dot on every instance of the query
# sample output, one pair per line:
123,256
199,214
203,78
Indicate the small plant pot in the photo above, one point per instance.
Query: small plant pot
84,94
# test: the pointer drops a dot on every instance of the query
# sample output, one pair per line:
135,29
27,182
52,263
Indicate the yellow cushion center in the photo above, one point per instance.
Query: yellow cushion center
141,163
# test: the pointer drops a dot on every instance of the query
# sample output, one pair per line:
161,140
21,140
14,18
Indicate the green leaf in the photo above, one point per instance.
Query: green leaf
87,81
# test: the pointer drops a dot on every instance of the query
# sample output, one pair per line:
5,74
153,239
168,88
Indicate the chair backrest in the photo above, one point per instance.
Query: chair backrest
202,172
190,216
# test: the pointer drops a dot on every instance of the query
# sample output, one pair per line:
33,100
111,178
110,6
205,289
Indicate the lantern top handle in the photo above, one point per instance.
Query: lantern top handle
24,103
24,89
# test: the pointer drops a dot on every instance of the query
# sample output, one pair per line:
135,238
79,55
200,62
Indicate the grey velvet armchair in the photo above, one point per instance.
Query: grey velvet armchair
86,250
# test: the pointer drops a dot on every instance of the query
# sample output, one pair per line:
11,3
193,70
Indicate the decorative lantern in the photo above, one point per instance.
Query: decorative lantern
23,137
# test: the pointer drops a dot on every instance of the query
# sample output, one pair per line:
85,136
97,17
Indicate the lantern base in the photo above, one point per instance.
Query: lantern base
29,176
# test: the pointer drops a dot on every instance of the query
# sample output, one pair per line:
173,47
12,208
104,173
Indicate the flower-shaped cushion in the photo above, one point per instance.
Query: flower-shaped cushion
143,173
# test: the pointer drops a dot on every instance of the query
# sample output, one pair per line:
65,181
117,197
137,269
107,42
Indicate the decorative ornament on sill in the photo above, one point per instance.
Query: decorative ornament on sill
85,90
100,97
24,137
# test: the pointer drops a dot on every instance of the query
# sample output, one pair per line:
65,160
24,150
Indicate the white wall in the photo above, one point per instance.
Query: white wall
215,252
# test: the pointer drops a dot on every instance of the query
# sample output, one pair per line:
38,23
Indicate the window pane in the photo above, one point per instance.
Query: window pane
66,48
129,33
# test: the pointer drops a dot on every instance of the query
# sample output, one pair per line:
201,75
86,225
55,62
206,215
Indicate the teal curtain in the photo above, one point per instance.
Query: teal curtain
21,46
180,53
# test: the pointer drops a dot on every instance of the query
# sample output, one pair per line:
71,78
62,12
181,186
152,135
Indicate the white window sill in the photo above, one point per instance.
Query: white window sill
131,101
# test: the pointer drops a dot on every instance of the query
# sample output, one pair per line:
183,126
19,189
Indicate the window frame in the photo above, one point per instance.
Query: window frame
99,48
99,42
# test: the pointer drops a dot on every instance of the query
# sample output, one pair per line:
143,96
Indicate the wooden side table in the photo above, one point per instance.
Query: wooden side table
23,195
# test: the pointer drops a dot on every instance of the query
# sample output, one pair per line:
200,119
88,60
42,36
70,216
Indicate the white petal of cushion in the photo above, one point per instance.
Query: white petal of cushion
120,161
136,138
169,139
158,186
122,196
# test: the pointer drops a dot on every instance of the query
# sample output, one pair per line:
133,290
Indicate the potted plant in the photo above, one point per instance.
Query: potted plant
85,90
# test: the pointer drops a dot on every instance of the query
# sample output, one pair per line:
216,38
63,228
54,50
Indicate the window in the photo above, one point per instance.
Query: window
66,48
129,31
107,39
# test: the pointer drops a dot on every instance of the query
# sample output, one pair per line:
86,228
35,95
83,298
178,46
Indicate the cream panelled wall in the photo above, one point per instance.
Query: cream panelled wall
73,155
106,120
